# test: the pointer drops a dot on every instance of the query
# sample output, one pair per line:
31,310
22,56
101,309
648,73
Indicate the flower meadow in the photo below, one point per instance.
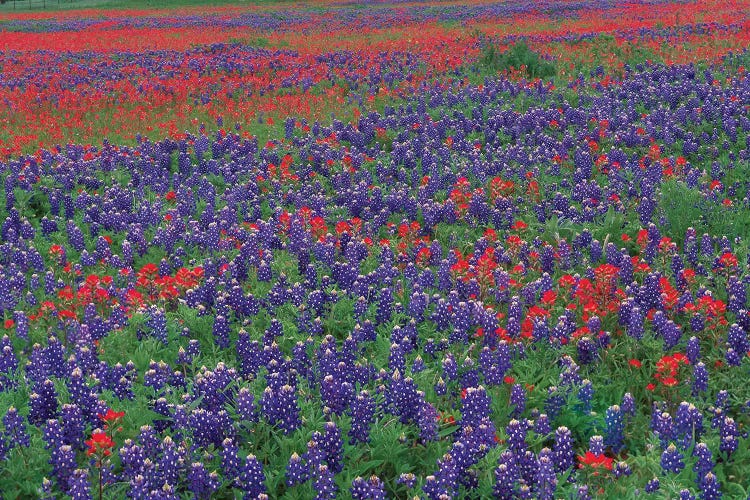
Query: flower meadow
415,249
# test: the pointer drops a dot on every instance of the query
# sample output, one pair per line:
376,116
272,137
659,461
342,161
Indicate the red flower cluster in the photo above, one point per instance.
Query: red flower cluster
100,443
600,461
667,368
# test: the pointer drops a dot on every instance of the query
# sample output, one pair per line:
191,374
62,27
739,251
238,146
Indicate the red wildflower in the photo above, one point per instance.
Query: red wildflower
595,461
549,297
566,280
728,259
110,416
342,227
149,270
99,442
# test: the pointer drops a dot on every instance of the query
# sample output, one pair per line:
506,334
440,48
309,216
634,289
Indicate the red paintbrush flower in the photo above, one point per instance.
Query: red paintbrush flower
100,442
595,461
110,416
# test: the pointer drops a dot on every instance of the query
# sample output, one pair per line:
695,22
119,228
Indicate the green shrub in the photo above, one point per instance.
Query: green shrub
517,57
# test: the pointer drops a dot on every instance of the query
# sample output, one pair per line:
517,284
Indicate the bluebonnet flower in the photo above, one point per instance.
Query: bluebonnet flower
251,477
15,429
737,341
427,421
542,425
297,471
506,476
729,435
628,404
562,451
331,445
585,395
614,426
80,489
621,469
324,486
73,426
230,461
202,483
711,488
63,465
475,406
686,495
546,481
42,402
221,331
245,404
157,324
363,489
407,479
672,460
554,403
518,400
596,445
653,485
703,461
336,395
693,349
700,379
280,407
662,424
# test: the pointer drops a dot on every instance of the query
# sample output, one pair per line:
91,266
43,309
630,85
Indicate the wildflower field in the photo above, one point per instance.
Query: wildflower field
367,250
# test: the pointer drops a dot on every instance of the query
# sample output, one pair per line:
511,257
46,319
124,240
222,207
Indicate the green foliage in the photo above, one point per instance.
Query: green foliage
250,41
684,207
517,57
53,5
737,60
